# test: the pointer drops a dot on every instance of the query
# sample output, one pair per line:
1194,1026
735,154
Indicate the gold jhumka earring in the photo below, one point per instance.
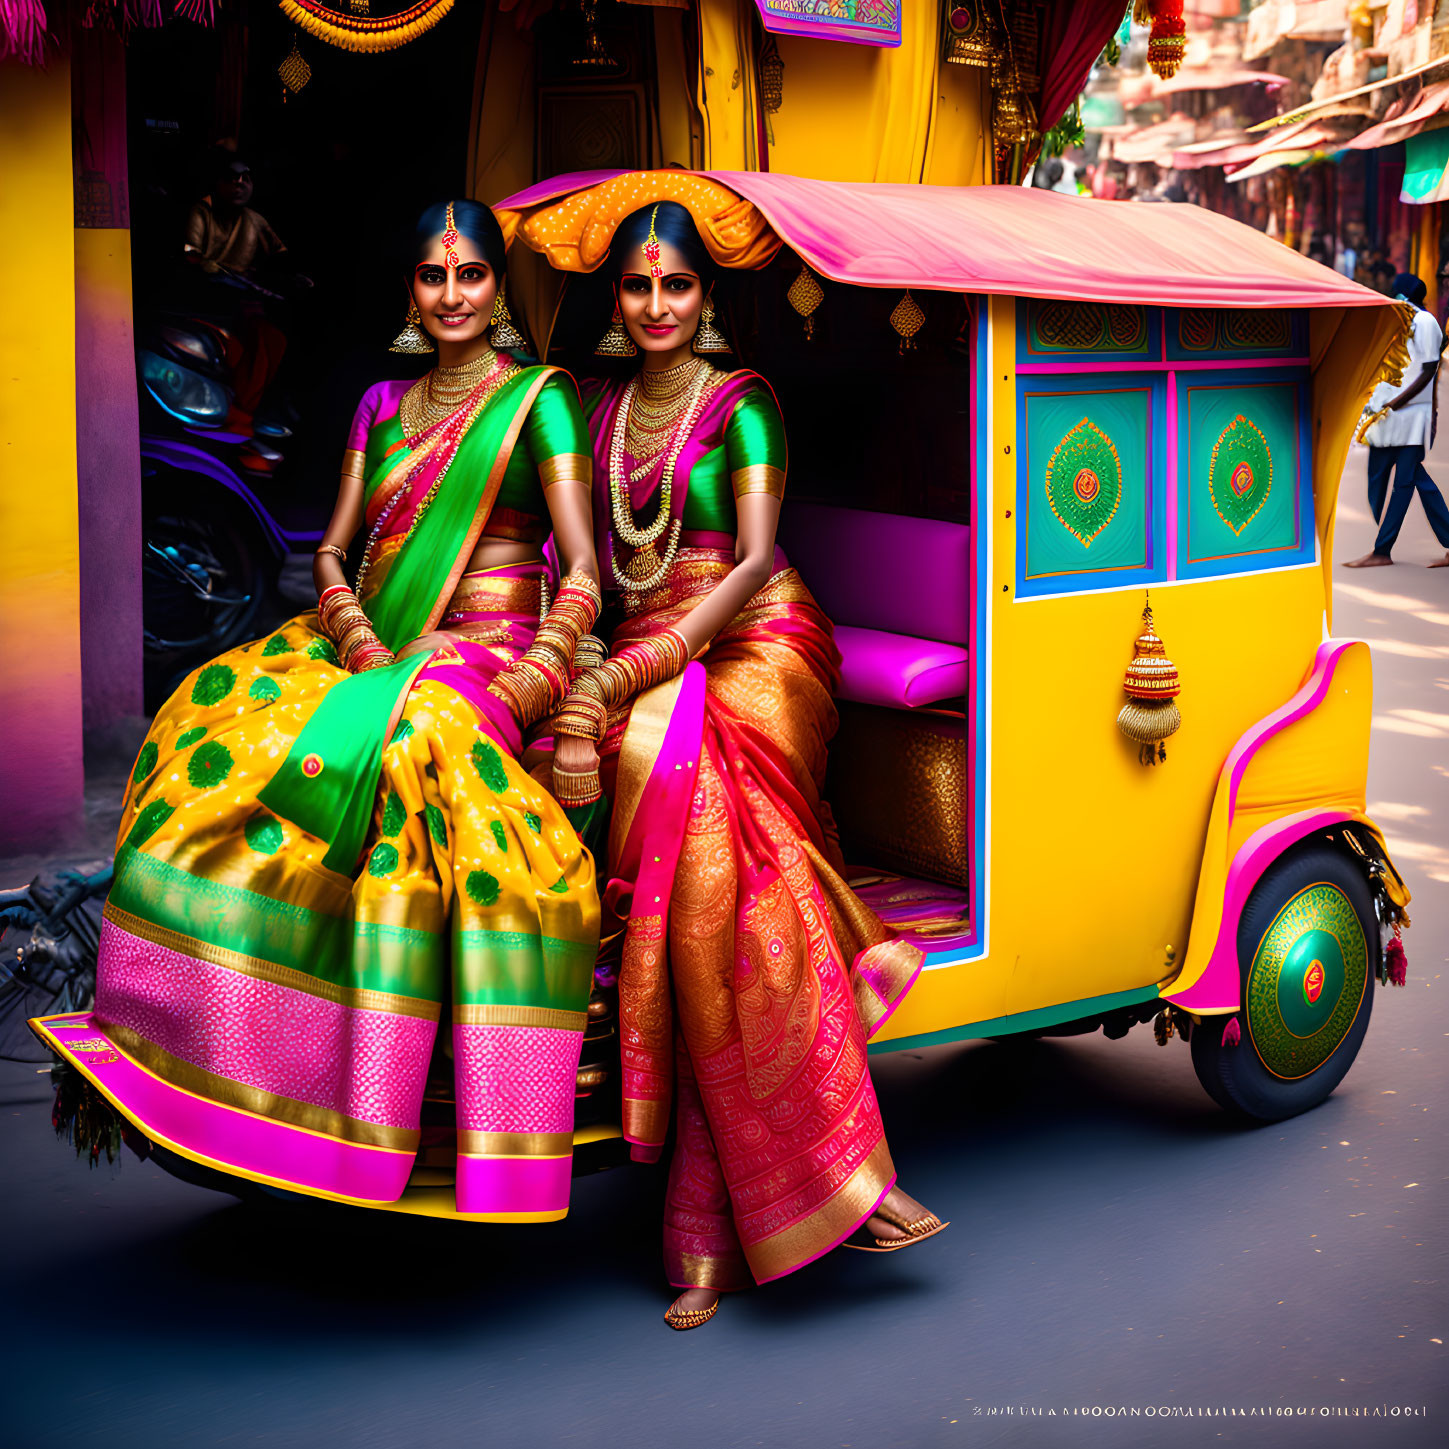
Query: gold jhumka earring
707,338
616,342
505,332
412,339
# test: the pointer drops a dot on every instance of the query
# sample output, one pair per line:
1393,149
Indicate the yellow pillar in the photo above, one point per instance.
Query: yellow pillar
41,771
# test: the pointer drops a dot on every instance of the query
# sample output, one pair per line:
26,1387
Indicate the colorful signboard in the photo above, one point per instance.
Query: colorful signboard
859,22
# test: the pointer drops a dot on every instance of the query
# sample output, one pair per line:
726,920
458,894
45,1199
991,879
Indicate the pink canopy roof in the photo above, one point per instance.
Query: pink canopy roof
1020,241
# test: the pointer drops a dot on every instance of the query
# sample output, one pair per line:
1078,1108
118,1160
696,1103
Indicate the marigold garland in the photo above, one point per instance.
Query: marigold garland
355,32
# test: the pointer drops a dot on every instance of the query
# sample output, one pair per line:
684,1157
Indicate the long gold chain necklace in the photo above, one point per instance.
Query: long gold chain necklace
646,567
439,393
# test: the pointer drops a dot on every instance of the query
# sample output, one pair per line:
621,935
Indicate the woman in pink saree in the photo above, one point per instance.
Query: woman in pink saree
751,975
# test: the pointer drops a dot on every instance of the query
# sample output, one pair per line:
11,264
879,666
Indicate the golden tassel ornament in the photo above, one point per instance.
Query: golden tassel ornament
1150,716
505,331
805,296
907,319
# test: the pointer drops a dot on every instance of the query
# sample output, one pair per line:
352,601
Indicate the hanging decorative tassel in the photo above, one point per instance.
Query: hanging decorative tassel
772,84
805,296
294,71
972,36
1232,1032
1168,37
1396,962
199,12
1150,716
907,319
594,54
1162,1027
22,31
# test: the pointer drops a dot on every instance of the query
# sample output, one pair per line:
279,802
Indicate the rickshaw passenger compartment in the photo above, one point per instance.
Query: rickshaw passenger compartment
897,589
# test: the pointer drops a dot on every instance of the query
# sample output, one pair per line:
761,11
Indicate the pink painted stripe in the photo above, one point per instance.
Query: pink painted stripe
508,1185
1219,988
1325,663
369,1065
516,1078
1043,369
232,1140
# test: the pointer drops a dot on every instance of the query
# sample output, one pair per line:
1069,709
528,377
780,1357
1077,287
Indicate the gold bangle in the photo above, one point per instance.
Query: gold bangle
333,549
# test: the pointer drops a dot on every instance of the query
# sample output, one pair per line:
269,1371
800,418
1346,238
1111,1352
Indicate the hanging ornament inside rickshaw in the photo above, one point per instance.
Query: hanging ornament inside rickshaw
357,29
907,319
593,54
294,72
805,296
1150,717
1013,117
971,33
772,83
1167,39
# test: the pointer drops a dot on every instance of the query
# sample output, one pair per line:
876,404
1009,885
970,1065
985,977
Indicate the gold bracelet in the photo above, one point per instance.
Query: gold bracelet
331,548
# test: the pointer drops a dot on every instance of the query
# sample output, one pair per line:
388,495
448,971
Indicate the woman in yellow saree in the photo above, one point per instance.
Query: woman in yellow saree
751,975
324,825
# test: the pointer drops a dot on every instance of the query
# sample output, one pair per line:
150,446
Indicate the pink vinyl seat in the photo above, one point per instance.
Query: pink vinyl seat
898,591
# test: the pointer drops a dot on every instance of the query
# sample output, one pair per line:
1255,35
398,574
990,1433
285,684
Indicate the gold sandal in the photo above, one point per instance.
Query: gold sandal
690,1317
916,1230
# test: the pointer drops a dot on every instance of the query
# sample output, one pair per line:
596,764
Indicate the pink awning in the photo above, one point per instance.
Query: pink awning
1156,142
1426,111
1197,78
1020,241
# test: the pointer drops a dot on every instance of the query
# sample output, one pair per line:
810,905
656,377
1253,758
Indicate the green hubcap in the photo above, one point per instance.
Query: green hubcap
1306,981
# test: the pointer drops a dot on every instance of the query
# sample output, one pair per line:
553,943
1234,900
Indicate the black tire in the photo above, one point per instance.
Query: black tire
195,529
1316,973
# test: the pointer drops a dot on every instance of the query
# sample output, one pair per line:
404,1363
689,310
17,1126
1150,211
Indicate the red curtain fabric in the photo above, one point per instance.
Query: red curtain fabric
1076,31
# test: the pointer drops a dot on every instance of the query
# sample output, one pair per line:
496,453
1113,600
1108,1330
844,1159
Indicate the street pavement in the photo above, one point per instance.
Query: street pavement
1119,1249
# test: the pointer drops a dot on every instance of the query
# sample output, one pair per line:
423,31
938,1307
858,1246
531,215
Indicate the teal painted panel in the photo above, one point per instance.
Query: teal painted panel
1087,467
1058,328
1242,469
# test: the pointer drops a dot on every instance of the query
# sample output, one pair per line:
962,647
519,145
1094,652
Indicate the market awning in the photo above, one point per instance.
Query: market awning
1227,148
1156,142
1316,108
1426,111
1004,240
1138,89
1291,146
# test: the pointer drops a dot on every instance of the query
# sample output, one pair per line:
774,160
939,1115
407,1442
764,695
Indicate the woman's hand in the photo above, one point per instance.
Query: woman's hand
575,755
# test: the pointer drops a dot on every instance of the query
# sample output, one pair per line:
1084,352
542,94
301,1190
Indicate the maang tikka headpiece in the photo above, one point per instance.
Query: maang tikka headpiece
652,252
450,239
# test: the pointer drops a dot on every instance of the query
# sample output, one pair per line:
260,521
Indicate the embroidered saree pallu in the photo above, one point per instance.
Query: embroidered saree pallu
307,856
726,867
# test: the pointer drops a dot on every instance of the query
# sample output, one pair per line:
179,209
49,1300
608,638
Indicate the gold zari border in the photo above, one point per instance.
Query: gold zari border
726,1274
275,1108
514,1144
469,1014
567,468
356,997
830,1223
758,478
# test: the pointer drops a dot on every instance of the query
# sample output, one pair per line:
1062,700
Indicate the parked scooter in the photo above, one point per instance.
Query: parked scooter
215,534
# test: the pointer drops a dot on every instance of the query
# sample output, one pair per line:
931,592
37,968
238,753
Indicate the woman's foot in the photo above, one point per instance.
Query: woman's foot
1369,561
897,1222
693,1307
1441,563
897,1209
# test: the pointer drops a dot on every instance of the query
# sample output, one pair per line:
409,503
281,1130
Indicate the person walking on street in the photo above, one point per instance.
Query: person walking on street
1400,437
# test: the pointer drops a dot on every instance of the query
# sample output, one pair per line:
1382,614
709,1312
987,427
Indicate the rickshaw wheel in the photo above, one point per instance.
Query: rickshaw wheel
1308,951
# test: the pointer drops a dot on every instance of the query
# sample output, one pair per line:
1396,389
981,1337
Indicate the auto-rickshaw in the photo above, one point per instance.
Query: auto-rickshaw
1063,473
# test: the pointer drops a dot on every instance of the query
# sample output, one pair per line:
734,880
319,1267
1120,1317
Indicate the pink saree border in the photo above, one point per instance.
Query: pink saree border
257,1148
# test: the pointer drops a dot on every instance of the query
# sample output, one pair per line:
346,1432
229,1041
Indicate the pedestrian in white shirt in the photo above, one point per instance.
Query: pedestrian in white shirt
1400,438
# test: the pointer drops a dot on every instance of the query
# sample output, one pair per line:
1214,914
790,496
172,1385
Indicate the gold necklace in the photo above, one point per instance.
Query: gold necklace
441,392
656,405
646,566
